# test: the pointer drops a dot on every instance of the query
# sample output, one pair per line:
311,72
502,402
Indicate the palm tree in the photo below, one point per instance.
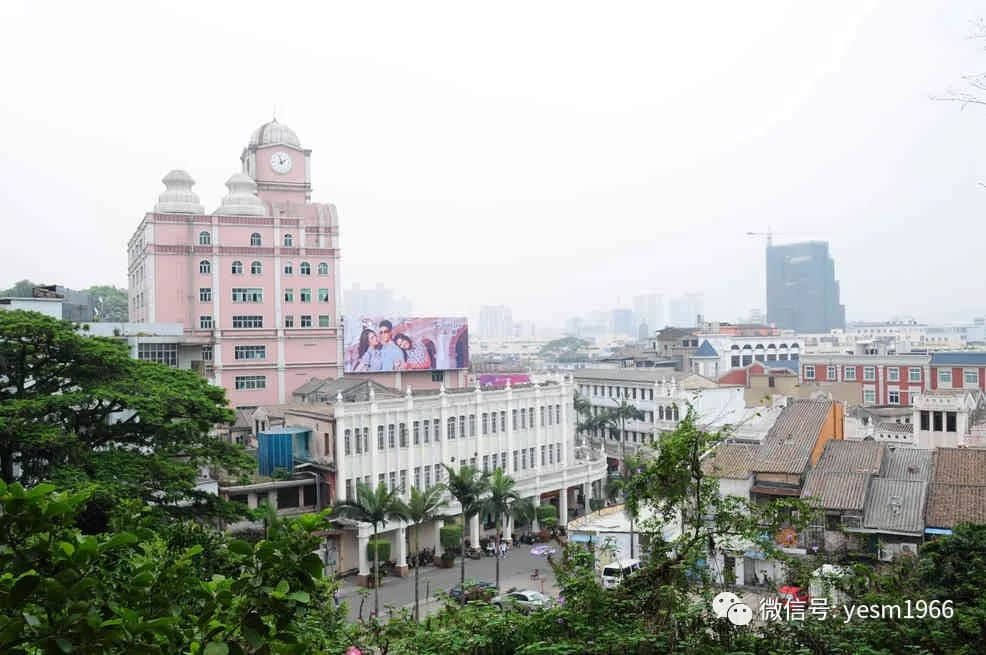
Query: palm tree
583,413
524,512
497,504
616,417
423,507
376,508
467,485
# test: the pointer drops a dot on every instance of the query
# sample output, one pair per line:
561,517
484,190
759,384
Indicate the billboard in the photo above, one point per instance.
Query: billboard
387,343
499,380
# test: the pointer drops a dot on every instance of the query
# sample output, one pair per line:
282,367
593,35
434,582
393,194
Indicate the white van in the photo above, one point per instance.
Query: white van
615,572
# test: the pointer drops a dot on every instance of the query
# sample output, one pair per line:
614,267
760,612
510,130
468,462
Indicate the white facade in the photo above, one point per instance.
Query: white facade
527,431
664,399
949,418
48,306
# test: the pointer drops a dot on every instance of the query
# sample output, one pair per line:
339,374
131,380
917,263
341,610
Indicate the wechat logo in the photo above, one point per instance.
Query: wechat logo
728,605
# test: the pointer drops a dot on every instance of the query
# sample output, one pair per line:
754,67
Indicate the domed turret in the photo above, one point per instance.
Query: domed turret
178,197
242,198
274,133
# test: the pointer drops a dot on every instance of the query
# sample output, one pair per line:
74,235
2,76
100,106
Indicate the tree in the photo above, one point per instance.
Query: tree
423,506
376,508
524,512
147,590
110,304
21,289
615,418
975,94
502,494
77,409
467,486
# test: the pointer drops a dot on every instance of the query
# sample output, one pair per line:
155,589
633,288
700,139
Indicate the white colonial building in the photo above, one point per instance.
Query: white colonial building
662,396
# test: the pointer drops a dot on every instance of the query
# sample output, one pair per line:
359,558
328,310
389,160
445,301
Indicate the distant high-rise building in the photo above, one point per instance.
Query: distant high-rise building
379,301
684,311
621,322
496,321
525,329
574,327
802,292
649,309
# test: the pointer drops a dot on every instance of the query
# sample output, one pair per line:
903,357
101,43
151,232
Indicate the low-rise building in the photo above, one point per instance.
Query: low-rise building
957,492
949,418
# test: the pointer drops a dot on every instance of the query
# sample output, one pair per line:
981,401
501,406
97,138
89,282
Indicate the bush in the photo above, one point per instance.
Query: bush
450,536
547,516
382,548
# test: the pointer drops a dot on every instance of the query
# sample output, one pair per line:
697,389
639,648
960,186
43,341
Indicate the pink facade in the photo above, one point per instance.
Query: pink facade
257,280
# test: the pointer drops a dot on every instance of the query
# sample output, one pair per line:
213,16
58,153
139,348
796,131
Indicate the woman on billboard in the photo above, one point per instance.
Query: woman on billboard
368,357
416,357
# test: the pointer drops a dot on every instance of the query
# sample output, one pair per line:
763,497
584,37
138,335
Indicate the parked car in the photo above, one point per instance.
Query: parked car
475,590
791,594
616,572
525,601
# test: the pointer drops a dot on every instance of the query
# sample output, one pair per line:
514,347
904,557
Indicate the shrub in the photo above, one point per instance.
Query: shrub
382,548
450,536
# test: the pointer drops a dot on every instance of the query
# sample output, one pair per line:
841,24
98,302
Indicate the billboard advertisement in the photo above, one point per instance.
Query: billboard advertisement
388,343
499,380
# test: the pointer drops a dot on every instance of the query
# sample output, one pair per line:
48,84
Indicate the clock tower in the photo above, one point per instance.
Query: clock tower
275,159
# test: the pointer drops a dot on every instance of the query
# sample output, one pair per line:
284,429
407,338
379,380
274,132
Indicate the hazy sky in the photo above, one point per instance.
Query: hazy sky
555,157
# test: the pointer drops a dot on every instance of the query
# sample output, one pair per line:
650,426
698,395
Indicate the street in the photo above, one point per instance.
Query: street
515,571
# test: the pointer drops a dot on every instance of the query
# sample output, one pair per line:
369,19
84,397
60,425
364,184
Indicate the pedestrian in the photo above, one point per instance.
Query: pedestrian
503,550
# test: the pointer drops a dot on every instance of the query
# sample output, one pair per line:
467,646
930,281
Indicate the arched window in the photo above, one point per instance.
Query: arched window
288,240
323,268
675,410
256,268
306,268
205,238
255,239
205,267
660,412
288,269
237,268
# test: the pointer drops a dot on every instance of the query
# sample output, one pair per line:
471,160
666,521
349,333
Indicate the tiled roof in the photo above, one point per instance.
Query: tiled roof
895,505
705,350
789,364
852,457
730,460
959,466
788,445
907,464
837,489
958,487
895,427
949,504
965,358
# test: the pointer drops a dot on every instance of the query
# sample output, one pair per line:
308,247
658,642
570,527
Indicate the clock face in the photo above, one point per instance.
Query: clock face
281,162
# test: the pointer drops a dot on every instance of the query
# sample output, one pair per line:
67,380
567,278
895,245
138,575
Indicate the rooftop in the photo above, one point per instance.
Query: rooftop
957,491
837,489
908,464
852,457
685,380
730,461
788,446
967,357
895,505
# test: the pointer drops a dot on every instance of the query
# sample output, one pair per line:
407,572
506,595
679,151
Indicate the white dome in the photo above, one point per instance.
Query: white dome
274,133
178,197
242,198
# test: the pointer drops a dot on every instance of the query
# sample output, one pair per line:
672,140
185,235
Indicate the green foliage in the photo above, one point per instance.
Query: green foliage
565,349
77,410
110,303
422,506
547,515
378,550
21,289
450,535
155,592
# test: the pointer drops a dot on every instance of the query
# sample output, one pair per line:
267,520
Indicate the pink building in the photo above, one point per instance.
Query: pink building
255,283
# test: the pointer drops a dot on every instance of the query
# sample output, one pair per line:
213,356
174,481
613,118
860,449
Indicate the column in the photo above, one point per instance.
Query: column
272,498
439,524
563,507
362,543
508,527
474,531
586,494
252,501
535,526
402,551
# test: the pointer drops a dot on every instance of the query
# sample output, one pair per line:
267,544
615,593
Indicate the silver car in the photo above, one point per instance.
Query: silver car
525,600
